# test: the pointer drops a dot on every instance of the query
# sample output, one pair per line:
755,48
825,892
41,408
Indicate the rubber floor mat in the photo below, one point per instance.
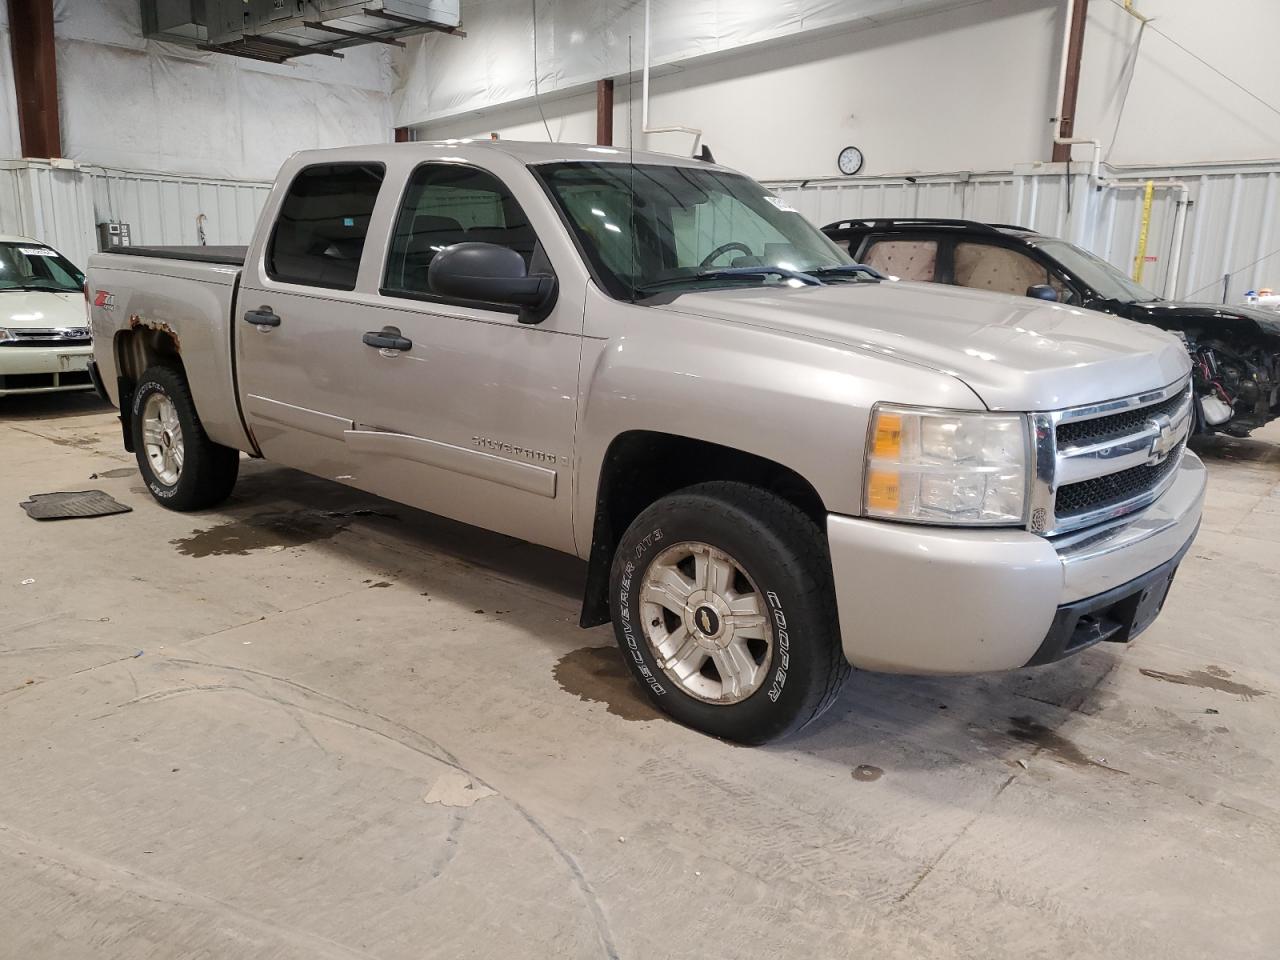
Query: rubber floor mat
65,506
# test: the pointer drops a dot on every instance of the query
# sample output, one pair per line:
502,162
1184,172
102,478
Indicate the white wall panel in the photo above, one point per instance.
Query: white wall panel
9,142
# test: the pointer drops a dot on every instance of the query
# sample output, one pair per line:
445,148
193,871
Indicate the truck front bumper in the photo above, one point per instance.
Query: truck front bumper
44,369
929,600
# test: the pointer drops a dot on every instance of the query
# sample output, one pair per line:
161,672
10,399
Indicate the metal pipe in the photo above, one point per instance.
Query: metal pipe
1066,128
1175,254
644,94
1179,224
1095,169
1062,61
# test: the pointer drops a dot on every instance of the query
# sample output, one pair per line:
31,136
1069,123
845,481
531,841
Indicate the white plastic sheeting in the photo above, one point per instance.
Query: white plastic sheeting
9,142
1233,225
137,104
580,41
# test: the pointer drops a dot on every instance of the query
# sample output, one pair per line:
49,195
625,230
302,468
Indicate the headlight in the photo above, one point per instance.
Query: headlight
6,335
934,466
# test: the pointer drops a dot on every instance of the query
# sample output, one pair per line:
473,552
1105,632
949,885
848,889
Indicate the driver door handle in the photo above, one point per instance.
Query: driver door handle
384,340
264,316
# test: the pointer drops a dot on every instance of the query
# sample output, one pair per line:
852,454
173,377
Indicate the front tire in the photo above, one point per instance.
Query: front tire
183,468
723,606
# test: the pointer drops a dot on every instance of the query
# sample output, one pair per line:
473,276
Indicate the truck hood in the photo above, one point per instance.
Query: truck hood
41,309
1015,353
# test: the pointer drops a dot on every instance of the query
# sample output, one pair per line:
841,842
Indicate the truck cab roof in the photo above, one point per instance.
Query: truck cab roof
526,152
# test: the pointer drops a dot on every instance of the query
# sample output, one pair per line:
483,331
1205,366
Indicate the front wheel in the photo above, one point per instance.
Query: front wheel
183,468
723,606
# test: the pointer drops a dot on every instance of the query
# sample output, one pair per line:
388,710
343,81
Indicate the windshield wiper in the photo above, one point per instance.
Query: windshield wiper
849,270
730,273
29,287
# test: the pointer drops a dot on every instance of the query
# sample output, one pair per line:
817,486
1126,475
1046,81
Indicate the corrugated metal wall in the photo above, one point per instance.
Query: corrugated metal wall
62,207
1232,226
51,204
163,210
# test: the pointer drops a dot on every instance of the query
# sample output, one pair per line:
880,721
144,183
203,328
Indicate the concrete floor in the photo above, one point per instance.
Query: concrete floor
313,724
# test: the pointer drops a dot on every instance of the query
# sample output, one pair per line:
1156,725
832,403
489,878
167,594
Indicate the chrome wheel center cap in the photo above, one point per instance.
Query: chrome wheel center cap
707,621
706,617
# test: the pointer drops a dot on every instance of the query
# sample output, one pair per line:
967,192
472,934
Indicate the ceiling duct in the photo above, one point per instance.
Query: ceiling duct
278,30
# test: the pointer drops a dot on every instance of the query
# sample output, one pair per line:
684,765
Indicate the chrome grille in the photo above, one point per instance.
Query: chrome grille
1114,425
1103,461
1114,488
48,337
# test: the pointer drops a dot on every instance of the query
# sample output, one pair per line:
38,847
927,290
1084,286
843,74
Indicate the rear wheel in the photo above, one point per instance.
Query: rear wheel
183,468
722,604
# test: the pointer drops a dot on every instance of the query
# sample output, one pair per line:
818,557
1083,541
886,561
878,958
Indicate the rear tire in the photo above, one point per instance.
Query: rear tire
722,603
183,468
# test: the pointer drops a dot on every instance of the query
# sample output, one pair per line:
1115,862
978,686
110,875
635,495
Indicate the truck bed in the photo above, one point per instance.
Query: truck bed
233,256
185,295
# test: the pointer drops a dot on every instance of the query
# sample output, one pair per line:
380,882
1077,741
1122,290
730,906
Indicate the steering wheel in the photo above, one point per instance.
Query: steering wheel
724,248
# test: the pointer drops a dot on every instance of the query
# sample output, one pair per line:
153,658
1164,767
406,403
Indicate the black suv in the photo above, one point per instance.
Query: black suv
1235,351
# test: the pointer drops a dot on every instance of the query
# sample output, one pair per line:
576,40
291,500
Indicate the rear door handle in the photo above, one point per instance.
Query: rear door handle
387,340
262,317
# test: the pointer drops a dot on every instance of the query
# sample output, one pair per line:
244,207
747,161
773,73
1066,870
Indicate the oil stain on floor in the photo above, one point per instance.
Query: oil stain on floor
1055,744
1210,678
265,530
599,675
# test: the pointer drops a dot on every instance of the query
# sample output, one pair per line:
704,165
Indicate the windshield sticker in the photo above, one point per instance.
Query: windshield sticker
36,252
780,203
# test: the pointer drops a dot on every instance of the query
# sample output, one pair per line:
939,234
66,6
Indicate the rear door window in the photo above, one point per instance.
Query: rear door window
320,231
448,203
905,259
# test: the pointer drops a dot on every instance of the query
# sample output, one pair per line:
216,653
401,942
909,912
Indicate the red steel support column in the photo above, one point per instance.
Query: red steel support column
604,112
1071,89
35,76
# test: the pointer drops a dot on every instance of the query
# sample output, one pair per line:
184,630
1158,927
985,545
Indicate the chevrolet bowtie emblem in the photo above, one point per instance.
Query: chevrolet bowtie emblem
704,621
1165,440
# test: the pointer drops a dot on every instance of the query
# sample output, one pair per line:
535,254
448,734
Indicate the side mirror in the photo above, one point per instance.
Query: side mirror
489,273
1042,291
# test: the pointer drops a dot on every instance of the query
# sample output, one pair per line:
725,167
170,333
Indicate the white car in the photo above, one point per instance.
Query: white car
45,343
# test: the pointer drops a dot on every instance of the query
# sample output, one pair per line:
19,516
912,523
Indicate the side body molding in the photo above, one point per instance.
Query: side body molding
528,477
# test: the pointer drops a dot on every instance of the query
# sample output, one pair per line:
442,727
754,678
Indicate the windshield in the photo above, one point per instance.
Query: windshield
33,266
1104,278
691,227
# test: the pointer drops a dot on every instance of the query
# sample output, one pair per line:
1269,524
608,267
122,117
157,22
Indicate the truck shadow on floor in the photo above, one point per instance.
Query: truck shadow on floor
960,718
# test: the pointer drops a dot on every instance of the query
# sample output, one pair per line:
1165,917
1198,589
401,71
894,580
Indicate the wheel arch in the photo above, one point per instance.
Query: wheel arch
637,470
135,350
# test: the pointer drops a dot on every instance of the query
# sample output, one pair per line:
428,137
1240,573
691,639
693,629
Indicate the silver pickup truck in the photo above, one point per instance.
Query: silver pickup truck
776,462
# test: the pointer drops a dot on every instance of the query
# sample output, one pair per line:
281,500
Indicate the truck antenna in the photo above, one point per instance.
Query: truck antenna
631,152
